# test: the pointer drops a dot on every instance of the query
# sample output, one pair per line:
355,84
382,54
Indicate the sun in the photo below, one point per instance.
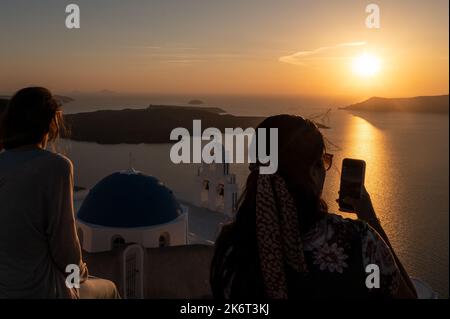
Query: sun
366,65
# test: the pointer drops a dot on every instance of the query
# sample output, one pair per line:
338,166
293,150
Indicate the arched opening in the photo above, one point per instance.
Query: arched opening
220,198
164,240
221,190
204,193
117,241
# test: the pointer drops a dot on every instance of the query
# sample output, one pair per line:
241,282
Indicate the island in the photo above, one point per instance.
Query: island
421,104
151,125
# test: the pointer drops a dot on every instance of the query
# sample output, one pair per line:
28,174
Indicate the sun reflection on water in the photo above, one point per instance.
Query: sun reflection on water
362,140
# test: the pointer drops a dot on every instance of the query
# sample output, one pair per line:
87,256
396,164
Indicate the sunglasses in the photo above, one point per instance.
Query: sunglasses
327,161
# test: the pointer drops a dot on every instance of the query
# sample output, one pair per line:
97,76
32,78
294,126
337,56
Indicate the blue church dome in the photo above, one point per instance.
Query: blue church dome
129,200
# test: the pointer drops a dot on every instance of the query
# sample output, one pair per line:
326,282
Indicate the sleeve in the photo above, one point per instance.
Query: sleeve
64,244
379,261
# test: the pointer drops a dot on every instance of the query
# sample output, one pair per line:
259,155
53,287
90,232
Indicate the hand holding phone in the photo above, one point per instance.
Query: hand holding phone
352,183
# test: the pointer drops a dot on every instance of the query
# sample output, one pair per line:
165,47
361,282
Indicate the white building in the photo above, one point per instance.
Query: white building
129,207
217,188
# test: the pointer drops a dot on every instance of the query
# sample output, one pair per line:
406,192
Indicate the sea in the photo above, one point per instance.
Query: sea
407,158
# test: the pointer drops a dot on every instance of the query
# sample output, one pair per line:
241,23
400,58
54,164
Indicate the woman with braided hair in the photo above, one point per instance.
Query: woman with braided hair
284,243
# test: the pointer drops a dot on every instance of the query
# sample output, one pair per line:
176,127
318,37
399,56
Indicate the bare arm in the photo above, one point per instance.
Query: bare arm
365,211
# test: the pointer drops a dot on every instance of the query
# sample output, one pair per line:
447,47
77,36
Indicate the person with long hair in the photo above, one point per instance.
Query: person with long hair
38,238
283,242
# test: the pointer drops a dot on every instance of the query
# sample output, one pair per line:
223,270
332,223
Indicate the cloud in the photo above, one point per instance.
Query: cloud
156,47
183,55
301,57
183,61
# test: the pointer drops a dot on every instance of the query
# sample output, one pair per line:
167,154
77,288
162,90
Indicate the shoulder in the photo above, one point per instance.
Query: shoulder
63,161
356,225
339,227
57,162
333,228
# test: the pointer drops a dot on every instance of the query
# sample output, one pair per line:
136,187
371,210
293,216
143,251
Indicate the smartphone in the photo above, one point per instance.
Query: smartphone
352,181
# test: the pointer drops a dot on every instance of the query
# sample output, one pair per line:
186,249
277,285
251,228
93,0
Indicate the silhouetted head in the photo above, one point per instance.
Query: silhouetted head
302,163
33,117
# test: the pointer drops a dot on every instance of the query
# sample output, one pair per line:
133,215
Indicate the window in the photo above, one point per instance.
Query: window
164,240
117,241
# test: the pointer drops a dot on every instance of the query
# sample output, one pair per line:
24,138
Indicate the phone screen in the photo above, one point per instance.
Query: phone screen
352,181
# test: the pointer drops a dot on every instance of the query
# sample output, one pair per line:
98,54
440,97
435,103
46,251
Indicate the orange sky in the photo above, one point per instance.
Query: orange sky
233,47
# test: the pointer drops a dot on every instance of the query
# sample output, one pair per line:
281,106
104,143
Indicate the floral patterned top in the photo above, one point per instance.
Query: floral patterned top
339,251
